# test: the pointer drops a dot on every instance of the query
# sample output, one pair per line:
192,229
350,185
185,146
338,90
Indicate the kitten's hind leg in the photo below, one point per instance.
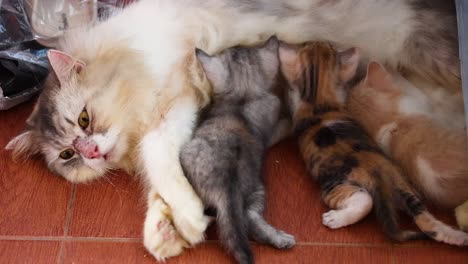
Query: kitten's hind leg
260,230
349,208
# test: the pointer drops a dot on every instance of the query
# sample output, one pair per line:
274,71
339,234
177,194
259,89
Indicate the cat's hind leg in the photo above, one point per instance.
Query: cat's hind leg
262,231
349,204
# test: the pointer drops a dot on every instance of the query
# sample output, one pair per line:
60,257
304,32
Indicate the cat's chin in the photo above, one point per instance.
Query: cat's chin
83,174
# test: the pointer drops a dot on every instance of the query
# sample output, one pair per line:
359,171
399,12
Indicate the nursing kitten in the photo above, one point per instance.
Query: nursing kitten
405,124
353,174
223,161
129,87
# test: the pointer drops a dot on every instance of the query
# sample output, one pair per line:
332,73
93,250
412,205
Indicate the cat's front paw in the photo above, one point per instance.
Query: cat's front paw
191,222
161,239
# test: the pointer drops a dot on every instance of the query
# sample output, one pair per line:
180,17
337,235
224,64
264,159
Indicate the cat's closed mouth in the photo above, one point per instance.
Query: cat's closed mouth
107,155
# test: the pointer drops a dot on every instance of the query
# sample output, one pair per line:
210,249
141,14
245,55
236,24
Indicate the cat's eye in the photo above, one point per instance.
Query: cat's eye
83,119
67,154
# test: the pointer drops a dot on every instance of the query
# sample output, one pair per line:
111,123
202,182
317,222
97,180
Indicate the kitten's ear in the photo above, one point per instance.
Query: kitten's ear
202,56
289,60
349,62
212,67
64,65
272,44
269,56
378,77
23,144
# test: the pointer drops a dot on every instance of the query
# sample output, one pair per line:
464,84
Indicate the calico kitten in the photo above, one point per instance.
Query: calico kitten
407,126
223,161
353,174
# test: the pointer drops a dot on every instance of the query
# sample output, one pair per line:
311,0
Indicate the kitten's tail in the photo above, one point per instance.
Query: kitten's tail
232,227
430,227
387,214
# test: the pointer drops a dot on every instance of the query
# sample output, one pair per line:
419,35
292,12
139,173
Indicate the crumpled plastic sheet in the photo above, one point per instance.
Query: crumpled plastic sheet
14,25
23,23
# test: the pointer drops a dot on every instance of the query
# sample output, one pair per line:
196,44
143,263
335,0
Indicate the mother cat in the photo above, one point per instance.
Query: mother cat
125,93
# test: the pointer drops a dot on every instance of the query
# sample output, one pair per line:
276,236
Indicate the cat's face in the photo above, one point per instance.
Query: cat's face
238,72
76,124
316,72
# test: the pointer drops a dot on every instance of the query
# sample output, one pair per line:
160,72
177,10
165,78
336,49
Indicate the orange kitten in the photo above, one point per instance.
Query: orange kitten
403,121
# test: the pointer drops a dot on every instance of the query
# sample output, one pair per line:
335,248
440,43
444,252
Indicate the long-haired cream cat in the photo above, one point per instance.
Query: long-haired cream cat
127,90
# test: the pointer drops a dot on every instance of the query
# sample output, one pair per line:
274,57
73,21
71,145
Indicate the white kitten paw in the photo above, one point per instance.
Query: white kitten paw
191,222
161,239
333,219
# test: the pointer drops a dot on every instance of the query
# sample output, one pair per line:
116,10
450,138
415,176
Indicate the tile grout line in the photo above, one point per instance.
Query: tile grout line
72,239
392,254
133,240
67,224
138,240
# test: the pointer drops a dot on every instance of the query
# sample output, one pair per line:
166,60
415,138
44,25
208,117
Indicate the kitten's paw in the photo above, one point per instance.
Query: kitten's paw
333,219
451,236
284,240
161,239
191,223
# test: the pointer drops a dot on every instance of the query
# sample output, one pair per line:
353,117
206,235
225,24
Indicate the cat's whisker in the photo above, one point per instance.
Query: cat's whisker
117,190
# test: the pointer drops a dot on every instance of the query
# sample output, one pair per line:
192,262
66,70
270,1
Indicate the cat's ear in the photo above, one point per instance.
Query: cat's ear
269,56
64,65
378,77
272,44
23,144
349,62
289,60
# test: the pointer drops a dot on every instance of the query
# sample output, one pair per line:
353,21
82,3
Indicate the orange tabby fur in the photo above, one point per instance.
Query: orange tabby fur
432,154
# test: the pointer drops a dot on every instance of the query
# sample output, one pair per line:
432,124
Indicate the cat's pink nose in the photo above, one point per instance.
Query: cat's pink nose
87,147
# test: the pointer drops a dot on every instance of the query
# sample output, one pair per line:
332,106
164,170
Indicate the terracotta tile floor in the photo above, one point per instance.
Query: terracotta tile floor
44,219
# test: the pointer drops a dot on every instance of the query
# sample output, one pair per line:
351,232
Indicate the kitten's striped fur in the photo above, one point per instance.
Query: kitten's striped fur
353,173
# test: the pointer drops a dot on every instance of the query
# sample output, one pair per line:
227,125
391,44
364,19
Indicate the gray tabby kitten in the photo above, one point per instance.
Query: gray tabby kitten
223,161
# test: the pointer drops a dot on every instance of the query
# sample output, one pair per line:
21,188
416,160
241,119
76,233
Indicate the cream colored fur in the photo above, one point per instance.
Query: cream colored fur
461,213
